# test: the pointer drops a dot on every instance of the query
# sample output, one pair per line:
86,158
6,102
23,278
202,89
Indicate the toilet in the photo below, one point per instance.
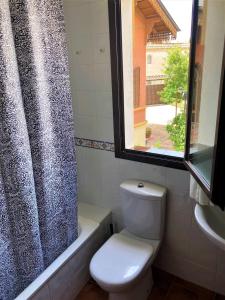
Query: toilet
122,266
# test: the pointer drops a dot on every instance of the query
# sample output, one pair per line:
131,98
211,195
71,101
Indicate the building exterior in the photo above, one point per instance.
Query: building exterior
156,55
151,23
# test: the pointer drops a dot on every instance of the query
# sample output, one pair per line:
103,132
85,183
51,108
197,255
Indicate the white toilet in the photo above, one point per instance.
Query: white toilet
122,266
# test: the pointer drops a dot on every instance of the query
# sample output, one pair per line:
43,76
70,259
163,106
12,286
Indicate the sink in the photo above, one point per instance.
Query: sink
211,221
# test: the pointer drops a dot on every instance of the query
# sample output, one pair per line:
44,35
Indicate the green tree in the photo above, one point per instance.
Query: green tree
176,81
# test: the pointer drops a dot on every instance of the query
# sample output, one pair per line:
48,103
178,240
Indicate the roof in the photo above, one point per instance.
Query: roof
155,10
174,24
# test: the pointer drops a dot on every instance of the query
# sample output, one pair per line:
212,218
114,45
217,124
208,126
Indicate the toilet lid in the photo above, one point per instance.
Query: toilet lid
120,260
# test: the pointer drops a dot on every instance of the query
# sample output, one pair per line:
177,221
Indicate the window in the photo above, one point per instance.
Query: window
205,145
198,103
150,51
149,59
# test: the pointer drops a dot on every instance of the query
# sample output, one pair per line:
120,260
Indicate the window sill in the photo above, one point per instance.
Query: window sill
152,158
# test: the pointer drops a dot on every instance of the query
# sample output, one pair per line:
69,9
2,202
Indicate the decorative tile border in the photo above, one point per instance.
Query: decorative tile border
100,145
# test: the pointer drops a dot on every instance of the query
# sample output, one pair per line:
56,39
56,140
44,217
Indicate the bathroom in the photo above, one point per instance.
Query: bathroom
190,262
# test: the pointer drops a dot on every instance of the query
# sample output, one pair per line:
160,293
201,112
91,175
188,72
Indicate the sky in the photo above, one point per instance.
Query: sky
181,11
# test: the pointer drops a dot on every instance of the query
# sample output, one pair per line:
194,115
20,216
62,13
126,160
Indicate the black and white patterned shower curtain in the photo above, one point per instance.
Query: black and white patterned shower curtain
38,212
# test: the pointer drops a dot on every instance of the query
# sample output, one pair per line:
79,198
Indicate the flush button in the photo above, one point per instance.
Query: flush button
140,185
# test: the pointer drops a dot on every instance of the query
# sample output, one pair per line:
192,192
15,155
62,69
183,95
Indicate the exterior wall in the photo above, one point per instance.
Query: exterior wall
185,251
140,52
127,32
139,115
139,60
158,57
140,134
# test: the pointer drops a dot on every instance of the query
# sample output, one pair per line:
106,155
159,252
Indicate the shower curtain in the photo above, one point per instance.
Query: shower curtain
38,212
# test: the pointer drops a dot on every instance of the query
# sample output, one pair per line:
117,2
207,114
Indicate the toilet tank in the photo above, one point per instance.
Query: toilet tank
143,205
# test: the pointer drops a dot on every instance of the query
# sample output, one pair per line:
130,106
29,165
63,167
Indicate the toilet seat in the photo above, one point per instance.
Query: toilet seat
120,261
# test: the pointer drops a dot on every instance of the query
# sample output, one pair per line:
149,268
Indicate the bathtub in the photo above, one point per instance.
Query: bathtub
68,274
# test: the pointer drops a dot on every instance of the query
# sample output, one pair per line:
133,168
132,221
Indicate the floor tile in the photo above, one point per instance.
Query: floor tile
166,287
162,279
202,294
157,294
92,292
219,297
162,283
179,292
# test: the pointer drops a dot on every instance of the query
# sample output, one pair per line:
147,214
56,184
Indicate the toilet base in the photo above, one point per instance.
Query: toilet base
140,291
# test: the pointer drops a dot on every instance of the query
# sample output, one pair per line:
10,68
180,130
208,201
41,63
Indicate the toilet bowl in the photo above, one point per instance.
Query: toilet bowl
122,266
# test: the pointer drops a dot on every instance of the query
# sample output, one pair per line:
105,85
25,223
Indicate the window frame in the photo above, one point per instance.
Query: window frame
215,189
115,30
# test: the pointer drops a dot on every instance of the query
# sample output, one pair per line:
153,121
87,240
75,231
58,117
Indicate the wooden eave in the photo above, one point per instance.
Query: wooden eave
155,11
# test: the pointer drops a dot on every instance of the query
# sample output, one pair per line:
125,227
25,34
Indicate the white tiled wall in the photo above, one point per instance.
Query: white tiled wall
88,36
185,251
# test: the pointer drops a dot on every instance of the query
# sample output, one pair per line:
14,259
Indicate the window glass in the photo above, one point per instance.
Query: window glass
207,80
156,45
149,59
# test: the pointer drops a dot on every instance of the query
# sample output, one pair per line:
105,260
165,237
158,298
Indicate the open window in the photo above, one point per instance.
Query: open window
205,146
167,59
150,50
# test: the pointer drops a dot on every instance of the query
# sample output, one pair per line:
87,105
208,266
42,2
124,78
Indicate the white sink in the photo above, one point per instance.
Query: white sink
212,222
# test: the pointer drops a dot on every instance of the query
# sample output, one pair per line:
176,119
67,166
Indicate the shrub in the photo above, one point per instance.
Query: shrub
157,144
176,130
